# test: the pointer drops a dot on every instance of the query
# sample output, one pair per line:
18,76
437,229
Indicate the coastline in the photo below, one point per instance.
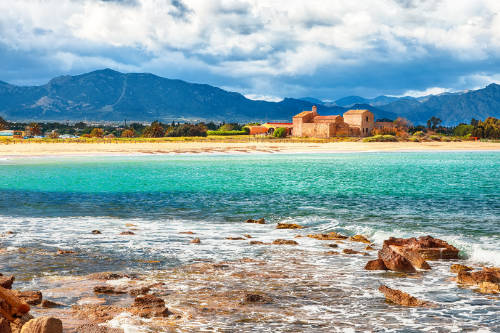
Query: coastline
151,148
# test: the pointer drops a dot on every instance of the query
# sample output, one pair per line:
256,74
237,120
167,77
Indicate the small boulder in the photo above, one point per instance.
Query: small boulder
196,241
288,226
149,306
96,232
259,221
359,238
109,290
489,288
351,251
30,297
254,242
472,278
235,238
4,325
402,298
394,261
43,325
284,242
375,265
256,298
50,304
6,281
333,245
127,233
455,268
64,252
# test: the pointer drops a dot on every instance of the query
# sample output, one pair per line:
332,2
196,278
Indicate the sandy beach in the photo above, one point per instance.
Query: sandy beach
127,148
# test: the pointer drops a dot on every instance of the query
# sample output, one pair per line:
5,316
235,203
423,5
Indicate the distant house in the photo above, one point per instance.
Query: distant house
354,123
12,134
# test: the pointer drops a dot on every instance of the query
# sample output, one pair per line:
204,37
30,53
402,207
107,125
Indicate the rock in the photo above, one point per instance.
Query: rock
6,281
187,232
11,305
477,277
4,326
332,253
235,238
49,304
259,221
288,226
394,261
412,256
351,251
96,232
333,245
196,241
31,297
284,242
375,265
18,323
125,233
93,328
369,248
139,291
359,238
150,306
489,288
428,247
329,236
108,276
63,252
43,325
256,298
247,236
254,242
108,290
401,298
455,268
96,313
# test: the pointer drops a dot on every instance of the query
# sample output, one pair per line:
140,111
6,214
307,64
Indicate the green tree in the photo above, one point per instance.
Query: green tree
463,130
34,129
128,133
280,132
188,130
434,122
97,133
155,130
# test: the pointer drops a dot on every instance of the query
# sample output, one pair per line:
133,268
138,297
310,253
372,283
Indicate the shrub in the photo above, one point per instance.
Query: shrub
227,127
435,137
187,130
419,134
384,131
155,130
128,133
280,132
97,133
463,130
218,132
414,139
54,135
381,138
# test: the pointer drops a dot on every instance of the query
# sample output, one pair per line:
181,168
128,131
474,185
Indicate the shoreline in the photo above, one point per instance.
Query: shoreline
195,148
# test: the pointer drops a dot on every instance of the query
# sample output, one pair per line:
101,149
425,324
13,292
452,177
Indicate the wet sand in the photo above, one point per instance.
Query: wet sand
131,148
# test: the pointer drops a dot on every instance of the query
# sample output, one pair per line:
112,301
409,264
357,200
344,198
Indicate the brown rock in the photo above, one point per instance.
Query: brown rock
6,281
18,323
95,232
196,241
43,325
477,277
375,265
359,238
369,248
332,245
186,232
489,288
259,221
428,247
96,313
329,236
332,252
248,236
150,306
413,256
235,238
401,298
288,226
93,328
455,268
4,325
284,242
139,291
107,290
254,242
125,233
351,251
49,304
11,305
108,276
31,297
63,252
256,298
394,261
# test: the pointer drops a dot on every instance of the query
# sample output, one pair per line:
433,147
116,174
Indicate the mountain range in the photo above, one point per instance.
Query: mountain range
108,95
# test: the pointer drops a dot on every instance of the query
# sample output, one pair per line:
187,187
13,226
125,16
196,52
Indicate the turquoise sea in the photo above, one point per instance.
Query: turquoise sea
54,203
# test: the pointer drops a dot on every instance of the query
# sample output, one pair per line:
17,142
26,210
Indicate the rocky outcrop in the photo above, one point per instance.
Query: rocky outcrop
195,241
455,268
93,328
428,247
29,296
359,238
394,261
109,290
11,306
472,278
375,265
489,288
351,251
402,298
6,281
4,325
329,236
259,221
412,256
284,242
288,226
43,325
149,306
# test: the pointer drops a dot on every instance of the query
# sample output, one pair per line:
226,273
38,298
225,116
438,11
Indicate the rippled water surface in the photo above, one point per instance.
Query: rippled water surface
53,204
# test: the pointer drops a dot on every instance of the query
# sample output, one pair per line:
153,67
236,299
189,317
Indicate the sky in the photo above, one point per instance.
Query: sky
264,49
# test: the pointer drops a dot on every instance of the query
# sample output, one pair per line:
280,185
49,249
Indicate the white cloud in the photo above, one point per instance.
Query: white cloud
426,92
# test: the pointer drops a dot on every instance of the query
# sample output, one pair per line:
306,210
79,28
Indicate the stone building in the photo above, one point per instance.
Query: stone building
354,123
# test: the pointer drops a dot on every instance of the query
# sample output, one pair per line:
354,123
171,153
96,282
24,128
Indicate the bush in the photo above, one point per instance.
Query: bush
155,130
381,138
97,133
128,133
419,134
414,139
463,130
218,132
280,132
435,137
384,131
187,130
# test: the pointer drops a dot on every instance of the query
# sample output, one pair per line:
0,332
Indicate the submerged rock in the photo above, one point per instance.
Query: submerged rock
235,238
489,288
108,276
126,233
288,226
455,268
375,265
108,290
50,304
333,245
63,252
96,232
369,248
359,238
30,296
402,298
329,236
332,252
284,242
259,221
43,325
351,251
254,242
93,328
149,306
187,233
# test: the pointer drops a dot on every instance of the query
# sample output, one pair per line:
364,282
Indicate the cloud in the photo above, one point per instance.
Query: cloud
325,49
